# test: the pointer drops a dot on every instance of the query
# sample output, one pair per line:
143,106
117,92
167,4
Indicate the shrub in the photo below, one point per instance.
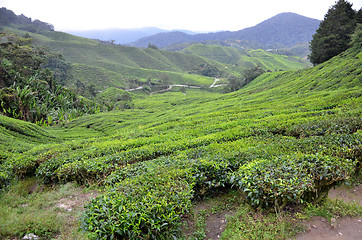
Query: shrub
290,179
147,206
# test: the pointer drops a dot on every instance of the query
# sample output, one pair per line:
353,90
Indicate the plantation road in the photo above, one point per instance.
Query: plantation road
213,85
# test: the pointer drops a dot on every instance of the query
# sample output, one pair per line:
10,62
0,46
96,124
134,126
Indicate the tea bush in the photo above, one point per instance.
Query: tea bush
149,205
290,179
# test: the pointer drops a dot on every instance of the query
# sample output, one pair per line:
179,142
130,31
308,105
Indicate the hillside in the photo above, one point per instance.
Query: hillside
96,65
112,65
283,140
246,58
280,31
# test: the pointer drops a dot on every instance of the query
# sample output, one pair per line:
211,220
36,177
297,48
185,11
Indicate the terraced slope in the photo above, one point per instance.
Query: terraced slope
286,138
247,58
117,66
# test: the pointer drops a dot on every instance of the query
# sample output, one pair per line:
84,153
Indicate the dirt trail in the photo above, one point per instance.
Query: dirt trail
339,229
216,224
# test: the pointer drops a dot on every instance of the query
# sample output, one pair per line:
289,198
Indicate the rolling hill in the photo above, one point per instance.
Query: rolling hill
246,58
115,65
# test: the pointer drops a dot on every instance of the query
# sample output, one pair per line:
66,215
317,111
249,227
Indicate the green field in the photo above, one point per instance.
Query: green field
247,58
282,140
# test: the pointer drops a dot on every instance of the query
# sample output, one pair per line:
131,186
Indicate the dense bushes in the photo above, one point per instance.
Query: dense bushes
147,205
29,90
290,179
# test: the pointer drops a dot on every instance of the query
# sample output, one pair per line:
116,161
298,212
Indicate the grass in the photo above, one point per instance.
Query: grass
28,206
250,224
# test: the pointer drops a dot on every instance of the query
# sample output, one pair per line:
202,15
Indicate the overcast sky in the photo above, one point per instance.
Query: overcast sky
195,15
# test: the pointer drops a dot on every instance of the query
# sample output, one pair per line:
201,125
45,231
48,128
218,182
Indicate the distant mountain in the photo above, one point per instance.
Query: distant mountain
122,36
282,30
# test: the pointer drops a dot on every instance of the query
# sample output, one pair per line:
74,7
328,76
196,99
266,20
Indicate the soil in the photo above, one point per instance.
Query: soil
77,201
341,229
216,224
70,207
350,195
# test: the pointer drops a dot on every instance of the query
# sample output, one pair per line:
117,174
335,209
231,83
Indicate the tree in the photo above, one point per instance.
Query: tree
357,38
334,33
237,83
152,46
92,89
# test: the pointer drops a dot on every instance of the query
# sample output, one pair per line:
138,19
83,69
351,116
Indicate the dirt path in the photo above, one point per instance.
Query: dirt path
216,224
339,229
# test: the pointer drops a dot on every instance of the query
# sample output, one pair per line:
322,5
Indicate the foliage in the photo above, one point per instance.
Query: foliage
115,98
248,76
333,35
7,17
356,38
206,70
241,59
290,179
30,90
148,205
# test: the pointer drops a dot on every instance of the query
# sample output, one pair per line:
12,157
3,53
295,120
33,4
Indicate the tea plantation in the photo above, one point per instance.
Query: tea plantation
283,140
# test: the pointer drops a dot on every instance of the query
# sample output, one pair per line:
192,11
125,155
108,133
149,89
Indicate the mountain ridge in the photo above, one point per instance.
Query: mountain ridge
295,29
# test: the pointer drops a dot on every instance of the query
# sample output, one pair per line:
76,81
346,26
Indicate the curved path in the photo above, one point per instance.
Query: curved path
213,85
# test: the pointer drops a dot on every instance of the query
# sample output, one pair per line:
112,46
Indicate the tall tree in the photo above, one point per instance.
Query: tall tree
334,33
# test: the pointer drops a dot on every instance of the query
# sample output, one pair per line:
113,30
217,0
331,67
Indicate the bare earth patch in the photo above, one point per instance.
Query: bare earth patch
75,201
215,224
350,195
73,205
341,229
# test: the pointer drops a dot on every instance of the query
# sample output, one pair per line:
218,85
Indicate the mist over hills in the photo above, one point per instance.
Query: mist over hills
122,36
282,30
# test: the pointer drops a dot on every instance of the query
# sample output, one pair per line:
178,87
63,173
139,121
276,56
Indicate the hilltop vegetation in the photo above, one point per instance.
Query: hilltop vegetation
283,139
8,18
334,33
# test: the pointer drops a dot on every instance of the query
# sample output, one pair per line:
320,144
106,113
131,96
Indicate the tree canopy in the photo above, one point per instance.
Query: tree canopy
334,33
